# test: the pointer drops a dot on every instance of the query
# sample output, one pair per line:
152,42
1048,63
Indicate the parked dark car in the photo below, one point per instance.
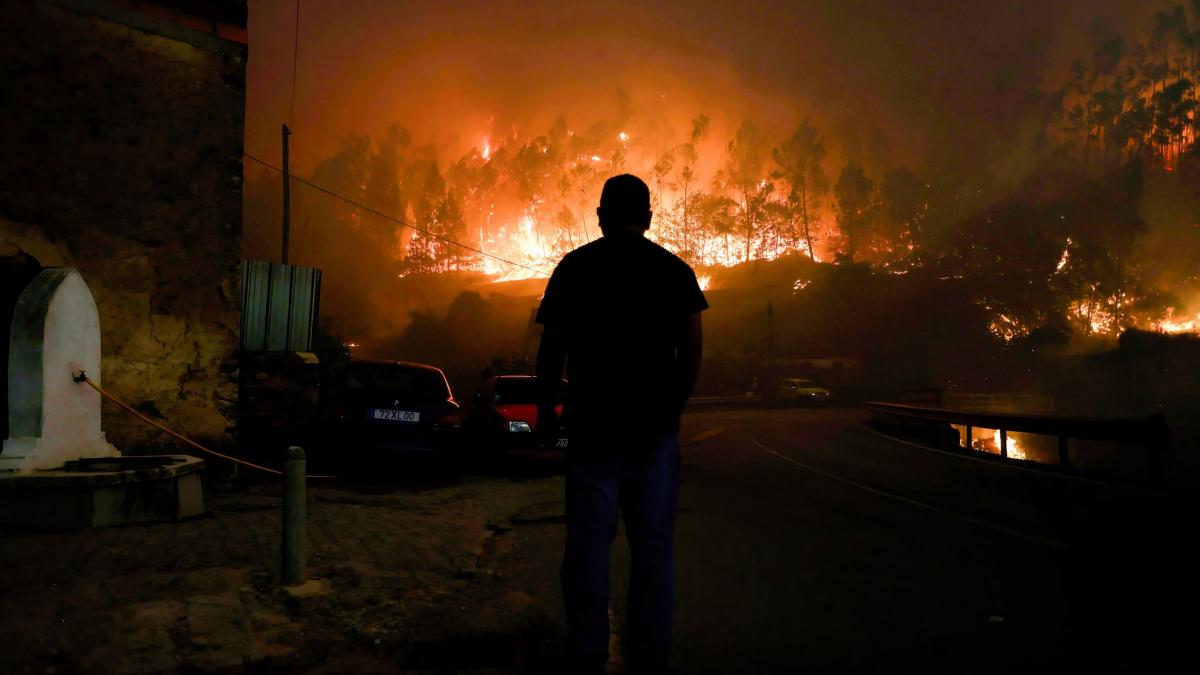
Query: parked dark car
503,413
386,409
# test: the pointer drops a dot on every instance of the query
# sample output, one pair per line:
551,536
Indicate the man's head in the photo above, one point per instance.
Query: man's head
624,205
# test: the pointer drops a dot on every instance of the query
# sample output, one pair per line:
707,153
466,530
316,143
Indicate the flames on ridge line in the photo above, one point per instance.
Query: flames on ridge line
1095,318
538,253
525,245
536,250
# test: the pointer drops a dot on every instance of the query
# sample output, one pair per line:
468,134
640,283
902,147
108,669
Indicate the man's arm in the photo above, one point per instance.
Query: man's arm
688,355
552,356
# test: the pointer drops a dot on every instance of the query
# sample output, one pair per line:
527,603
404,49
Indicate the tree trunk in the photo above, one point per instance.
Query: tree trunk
685,218
804,219
749,224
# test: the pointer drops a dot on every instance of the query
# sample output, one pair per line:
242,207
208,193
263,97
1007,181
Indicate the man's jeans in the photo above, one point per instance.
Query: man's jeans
641,476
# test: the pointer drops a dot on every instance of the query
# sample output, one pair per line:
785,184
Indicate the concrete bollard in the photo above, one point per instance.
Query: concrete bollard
295,535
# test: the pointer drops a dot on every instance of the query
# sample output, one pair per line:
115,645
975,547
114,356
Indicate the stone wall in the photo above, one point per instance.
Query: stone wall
122,158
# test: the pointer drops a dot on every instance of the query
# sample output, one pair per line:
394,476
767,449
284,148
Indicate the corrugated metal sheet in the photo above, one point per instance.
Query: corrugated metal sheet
280,306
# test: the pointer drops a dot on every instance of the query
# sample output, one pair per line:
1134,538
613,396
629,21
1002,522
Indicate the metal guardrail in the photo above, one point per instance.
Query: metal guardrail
724,400
1001,403
1149,433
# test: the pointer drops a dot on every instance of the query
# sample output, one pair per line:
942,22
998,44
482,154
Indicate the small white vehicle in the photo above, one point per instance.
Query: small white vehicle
799,391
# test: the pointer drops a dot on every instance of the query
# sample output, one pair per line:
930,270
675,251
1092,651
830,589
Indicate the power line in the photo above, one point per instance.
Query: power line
385,216
331,193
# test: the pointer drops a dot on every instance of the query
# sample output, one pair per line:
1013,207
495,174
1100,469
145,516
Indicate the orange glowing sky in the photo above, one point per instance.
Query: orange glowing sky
887,82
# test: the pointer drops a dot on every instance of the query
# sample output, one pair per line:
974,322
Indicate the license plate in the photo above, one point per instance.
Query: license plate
395,415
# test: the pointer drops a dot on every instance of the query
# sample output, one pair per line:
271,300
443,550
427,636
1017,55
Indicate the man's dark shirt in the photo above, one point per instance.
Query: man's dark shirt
622,304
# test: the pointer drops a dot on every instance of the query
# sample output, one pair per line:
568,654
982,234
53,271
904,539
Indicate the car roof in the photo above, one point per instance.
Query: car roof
517,377
393,362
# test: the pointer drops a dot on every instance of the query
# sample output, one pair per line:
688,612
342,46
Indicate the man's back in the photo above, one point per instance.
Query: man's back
624,315
621,303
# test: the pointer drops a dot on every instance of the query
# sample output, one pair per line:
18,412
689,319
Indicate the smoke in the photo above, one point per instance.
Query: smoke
1170,208
889,83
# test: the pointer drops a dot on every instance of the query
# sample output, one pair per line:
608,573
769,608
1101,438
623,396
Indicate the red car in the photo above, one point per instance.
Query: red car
505,409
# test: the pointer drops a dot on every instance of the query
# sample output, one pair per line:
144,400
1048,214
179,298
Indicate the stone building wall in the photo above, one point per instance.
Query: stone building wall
122,133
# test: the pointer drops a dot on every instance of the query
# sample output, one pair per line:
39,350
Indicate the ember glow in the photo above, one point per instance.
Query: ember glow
1006,328
1066,257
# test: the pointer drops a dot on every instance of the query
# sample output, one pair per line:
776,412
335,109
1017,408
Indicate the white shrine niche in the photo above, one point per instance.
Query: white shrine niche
55,333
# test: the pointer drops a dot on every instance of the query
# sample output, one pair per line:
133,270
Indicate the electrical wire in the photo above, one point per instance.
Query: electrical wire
331,193
393,219
82,378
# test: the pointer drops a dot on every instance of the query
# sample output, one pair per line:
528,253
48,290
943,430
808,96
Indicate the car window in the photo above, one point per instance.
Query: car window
398,380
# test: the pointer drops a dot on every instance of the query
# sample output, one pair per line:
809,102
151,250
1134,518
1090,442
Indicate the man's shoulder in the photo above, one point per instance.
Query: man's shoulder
668,259
676,260
604,251
582,254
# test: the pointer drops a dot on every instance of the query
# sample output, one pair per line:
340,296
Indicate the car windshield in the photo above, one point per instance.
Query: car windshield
515,390
398,380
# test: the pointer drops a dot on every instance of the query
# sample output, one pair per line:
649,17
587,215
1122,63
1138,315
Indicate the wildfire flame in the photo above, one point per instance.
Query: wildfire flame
1013,447
1066,257
1171,324
979,441
1096,315
1007,328
521,244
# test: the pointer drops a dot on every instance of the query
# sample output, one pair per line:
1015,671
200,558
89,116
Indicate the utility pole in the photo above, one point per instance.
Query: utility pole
287,196
769,380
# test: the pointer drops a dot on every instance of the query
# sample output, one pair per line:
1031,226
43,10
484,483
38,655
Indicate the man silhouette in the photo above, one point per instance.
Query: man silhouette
623,313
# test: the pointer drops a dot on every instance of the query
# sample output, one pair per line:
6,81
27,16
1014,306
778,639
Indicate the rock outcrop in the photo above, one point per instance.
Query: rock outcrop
123,159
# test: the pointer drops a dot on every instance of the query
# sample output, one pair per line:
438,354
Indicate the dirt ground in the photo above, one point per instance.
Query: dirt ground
404,579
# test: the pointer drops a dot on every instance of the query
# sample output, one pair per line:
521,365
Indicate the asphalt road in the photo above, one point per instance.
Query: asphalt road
806,543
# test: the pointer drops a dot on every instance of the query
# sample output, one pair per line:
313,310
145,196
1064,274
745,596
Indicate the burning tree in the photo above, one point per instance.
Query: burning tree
799,159
853,194
1062,242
